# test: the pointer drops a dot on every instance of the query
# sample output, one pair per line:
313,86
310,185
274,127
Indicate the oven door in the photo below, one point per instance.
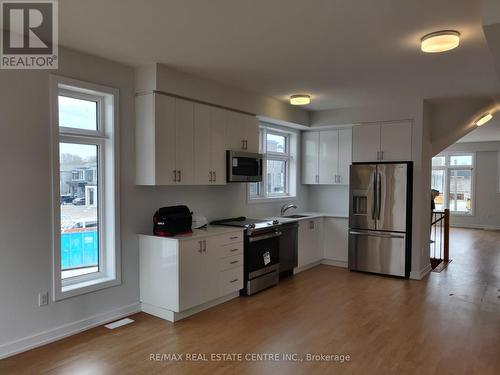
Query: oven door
244,167
262,253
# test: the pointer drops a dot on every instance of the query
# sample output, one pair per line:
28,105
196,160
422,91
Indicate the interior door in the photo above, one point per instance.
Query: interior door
202,146
310,152
392,195
362,196
328,157
218,145
184,141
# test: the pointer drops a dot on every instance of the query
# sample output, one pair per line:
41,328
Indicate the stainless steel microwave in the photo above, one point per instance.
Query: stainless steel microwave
243,166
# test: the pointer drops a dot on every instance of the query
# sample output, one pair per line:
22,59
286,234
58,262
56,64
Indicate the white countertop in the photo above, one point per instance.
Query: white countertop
211,230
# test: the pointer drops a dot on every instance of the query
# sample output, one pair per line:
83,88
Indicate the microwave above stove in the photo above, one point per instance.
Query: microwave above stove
243,166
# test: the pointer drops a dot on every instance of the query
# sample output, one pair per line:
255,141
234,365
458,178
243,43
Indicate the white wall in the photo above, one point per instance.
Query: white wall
25,214
486,196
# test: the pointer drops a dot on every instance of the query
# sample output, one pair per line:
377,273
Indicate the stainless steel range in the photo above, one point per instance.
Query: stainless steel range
261,252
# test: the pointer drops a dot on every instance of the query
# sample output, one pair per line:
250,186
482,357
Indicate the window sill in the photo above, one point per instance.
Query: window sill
288,198
84,287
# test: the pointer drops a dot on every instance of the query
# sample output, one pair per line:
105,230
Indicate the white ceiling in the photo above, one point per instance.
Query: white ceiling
489,132
342,52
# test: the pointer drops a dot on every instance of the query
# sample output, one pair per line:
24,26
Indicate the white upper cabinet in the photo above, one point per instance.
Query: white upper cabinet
242,132
365,142
395,141
310,155
182,142
326,157
209,145
390,141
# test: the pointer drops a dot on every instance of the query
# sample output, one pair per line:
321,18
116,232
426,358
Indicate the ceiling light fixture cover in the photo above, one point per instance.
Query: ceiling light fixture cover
484,119
300,99
440,41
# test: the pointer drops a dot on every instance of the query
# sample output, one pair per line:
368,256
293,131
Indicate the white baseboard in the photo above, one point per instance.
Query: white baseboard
419,275
475,226
54,334
173,316
335,262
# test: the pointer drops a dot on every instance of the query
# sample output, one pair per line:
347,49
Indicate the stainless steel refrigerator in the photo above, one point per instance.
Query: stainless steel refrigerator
380,203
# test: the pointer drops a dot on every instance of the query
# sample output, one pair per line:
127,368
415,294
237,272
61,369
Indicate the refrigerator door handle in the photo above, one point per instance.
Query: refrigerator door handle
376,234
374,204
379,194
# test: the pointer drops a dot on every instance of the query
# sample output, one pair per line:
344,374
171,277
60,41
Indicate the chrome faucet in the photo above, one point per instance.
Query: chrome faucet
286,207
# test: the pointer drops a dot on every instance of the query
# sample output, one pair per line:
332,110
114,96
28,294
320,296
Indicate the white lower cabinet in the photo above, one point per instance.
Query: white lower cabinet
182,275
335,241
310,249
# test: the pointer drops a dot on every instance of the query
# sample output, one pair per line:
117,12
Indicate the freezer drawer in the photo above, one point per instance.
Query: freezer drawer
377,252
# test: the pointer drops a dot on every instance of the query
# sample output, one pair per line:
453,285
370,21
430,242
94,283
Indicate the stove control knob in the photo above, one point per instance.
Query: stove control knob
275,222
251,226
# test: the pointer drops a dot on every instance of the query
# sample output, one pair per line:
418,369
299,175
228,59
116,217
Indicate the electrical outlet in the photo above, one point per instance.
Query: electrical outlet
43,299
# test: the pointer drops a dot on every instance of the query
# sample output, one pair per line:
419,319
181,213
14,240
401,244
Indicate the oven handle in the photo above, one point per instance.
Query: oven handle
265,236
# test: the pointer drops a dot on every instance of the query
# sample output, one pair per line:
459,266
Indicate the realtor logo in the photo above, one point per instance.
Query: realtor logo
29,35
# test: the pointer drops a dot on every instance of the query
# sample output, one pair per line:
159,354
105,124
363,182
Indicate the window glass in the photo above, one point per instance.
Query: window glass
79,209
439,161
438,183
276,175
77,113
460,160
460,190
276,143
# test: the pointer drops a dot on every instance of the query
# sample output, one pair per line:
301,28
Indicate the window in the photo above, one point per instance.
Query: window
276,145
453,176
86,251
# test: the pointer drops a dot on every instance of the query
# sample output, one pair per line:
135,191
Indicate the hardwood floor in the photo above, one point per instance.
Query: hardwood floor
446,324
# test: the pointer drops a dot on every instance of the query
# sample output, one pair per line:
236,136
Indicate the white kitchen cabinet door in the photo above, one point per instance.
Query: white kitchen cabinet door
234,129
192,272
365,142
310,249
164,139
335,242
251,132
395,141
202,144
328,157
218,145
184,141
310,153
210,283
345,155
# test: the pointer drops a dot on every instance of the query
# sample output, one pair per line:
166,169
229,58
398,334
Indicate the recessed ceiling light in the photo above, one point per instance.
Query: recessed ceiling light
440,41
300,99
484,119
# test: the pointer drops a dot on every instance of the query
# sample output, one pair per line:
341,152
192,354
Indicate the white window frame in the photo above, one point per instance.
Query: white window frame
289,157
106,138
447,168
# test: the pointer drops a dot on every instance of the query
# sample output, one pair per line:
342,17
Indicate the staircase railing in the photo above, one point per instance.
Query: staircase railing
440,235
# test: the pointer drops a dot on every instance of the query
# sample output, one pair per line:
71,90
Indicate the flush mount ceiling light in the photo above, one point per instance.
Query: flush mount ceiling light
484,119
440,41
300,99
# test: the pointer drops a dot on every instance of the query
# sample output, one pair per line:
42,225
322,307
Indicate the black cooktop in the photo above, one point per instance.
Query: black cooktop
244,222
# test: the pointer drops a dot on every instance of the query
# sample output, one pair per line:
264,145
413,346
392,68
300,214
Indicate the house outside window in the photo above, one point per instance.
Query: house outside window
453,177
84,139
279,149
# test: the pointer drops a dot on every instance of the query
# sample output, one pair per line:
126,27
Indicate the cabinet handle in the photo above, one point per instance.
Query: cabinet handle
210,176
233,250
215,177
233,281
381,155
204,246
339,177
233,262
175,175
242,144
233,238
179,175
317,179
201,247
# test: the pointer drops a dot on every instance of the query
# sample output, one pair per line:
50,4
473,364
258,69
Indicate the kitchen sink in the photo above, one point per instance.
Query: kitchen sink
295,216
